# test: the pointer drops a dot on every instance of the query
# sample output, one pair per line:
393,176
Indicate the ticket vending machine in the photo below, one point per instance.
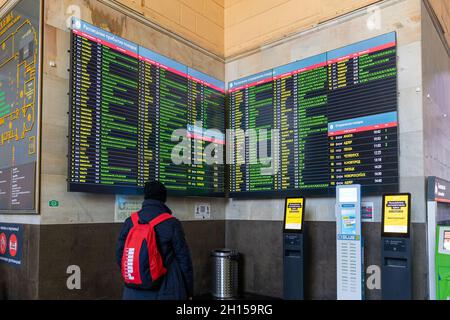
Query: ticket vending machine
396,255
294,249
443,261
349,245
438,233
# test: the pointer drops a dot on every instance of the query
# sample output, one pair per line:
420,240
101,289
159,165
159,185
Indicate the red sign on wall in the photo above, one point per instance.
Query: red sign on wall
2,243
13,245
11,241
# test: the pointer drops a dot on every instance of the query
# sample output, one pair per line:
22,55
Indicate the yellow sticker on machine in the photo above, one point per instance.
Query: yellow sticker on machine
396,214
294,213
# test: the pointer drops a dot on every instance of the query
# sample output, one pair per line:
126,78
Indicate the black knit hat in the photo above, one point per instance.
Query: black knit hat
155,190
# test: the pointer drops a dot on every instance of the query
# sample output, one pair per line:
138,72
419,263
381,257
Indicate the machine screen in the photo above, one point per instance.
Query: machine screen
447,240
348,221
348,195
293,215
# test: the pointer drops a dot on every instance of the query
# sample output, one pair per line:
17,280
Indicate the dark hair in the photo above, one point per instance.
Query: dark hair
155,190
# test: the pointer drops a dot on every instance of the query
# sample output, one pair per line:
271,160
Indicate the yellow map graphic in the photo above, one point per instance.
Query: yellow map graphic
18,62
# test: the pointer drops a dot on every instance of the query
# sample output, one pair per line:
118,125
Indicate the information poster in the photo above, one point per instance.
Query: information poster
294,214
125,206
19,103
396,214
11,242
348,219
367,212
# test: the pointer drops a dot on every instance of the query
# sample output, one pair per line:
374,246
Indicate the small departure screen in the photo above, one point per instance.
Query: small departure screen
348,195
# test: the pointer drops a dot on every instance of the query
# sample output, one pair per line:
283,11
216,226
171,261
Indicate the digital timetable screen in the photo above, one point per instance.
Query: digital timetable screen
126,102
336,120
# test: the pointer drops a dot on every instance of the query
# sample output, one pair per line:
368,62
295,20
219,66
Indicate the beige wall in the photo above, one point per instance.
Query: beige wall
200,21
230,27
442,10
436,82
92,208
80,208
252,23
331,36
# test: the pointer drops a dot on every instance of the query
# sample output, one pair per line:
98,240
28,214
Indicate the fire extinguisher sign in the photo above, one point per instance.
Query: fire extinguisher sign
11,242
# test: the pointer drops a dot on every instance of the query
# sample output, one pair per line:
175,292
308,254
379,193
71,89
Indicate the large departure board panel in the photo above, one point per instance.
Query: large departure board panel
335,122
130,109
19,106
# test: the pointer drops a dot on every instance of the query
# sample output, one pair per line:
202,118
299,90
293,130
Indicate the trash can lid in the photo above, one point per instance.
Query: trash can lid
224,252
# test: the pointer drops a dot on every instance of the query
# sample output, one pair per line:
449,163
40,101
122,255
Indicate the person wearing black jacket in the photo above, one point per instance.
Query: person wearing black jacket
178,283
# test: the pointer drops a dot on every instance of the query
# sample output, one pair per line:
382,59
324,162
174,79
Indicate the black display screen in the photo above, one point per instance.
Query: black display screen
336,118
127,104
305,127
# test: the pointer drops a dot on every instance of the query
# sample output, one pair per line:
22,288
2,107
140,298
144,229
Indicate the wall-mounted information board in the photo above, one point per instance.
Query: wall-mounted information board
336,116
19,105
337,119
126,102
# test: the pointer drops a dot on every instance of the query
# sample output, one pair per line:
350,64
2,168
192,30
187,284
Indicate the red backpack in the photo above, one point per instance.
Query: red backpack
142,264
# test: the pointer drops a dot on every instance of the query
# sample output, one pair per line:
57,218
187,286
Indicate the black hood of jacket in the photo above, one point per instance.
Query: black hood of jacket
151,209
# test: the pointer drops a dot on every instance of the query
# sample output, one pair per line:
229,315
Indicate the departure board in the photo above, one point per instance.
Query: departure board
206,101
251,107
20,34
335,116
130,107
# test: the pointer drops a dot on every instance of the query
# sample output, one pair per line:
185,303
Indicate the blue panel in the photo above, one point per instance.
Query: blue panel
293,66
363,45
206,78
103,35
146,53
363,122
301,64
250,79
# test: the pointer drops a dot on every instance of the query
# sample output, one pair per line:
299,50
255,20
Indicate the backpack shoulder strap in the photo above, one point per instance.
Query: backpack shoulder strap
161,218
135,218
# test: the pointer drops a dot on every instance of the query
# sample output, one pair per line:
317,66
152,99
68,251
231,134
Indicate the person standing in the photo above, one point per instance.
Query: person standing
177,283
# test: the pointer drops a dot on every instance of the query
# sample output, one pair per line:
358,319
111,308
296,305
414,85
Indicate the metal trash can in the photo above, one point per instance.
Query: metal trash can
225,273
